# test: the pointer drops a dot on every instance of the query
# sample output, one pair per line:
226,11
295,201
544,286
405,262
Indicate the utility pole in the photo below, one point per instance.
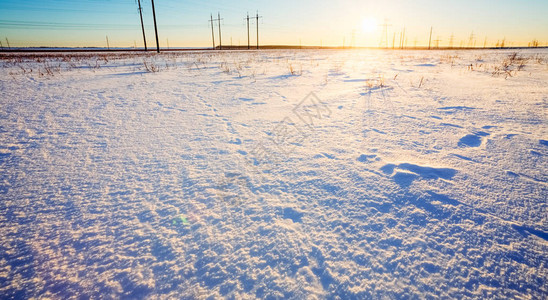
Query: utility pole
451,39
108,45
212,31
8,42
155,27
142,24
430,40
258,30
1,46
220,41
248,45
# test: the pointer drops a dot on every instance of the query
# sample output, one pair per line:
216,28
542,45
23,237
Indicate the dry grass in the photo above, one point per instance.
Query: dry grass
244,64
151,67
375,83
510,66
294,71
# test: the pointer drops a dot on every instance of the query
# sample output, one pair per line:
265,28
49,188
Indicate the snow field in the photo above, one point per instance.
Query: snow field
274,174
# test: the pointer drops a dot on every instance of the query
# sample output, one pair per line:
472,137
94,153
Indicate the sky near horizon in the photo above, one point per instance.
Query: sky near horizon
86,23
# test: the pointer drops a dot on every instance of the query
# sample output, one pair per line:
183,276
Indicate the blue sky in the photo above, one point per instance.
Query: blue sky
185,23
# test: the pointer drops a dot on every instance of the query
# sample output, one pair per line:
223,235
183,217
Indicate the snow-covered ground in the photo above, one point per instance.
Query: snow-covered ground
275,174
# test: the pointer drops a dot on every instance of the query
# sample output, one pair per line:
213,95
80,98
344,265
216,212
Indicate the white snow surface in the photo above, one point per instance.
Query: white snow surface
279,174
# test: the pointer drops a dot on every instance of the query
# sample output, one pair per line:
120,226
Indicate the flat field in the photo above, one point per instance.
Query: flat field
312,174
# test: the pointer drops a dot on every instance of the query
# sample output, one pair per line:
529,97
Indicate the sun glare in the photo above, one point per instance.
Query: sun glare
369,25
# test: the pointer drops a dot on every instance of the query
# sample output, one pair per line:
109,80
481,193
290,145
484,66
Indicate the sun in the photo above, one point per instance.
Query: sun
369,25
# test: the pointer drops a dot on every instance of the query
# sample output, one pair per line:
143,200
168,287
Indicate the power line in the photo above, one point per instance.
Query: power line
78,26
52,25
61,6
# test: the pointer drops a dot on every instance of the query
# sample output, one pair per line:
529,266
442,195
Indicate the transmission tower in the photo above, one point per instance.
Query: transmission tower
403,39
437,41
470,41
384,35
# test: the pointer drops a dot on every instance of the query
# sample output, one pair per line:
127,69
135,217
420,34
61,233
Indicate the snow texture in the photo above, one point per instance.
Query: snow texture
274,174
